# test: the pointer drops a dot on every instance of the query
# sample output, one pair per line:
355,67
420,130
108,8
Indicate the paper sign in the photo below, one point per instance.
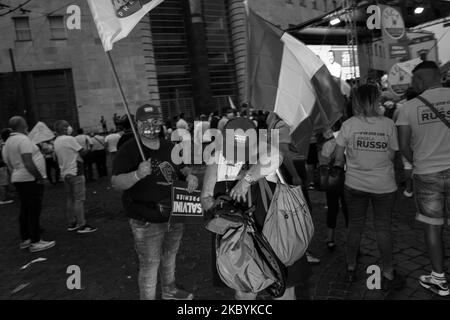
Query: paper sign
40,133
186,207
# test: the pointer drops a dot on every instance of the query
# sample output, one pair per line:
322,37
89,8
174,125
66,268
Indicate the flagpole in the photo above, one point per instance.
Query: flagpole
125,104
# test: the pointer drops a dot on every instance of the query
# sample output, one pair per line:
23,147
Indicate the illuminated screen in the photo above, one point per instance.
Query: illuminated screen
342,57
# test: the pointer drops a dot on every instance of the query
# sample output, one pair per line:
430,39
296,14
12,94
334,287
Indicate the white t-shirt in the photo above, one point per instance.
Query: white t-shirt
67,151
112,141
370,145
98,143
17,145
84,141
335,69
430,138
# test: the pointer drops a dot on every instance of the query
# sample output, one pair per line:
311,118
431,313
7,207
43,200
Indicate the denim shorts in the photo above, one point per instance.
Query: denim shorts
432,195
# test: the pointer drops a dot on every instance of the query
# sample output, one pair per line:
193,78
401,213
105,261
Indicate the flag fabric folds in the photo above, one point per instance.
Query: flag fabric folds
285,76
116,18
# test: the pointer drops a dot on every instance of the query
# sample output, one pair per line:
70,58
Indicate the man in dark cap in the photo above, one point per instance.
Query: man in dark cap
147,187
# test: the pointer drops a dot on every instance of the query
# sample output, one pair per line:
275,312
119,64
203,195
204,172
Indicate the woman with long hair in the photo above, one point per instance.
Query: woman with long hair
369,141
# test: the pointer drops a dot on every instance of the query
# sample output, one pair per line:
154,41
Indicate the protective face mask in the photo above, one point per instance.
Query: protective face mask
150,128
69,130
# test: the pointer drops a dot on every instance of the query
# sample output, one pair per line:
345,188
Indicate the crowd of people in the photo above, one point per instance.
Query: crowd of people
352,162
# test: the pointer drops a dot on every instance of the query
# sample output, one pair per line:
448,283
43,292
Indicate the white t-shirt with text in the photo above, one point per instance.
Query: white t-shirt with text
430,137
370,144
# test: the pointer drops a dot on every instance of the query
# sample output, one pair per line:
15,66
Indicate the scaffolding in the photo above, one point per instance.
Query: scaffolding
350,7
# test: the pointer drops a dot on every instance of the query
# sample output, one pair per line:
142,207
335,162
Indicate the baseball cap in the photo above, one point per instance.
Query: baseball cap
148,111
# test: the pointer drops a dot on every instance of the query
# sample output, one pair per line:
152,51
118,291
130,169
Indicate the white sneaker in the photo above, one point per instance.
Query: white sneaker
312,259
41,245
408,194
6,202
25,244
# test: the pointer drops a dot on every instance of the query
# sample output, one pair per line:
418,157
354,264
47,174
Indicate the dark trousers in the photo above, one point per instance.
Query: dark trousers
383,205
300,166
88,161
100,162
52,165
334,197
30,195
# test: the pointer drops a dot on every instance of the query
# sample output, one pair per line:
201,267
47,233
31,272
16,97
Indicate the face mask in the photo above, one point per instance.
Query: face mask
69,130
150,128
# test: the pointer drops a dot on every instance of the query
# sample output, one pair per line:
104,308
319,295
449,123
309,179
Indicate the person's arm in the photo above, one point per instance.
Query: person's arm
404,139
258,171
125,181
339,156
209,182
27,159
191,179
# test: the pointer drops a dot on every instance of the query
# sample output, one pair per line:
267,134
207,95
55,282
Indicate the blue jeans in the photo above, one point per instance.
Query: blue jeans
75,198
383,205
157,250
432,195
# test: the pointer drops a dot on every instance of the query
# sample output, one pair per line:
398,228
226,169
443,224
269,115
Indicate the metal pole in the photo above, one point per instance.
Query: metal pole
125,104
11,57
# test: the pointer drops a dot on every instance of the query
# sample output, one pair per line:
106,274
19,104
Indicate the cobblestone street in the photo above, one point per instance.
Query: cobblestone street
109,265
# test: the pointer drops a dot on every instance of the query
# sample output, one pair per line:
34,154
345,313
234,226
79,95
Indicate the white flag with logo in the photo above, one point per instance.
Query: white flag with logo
116,18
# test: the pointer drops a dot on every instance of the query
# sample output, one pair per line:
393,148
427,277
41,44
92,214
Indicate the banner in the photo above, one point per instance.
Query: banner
186,207
40,133
116,18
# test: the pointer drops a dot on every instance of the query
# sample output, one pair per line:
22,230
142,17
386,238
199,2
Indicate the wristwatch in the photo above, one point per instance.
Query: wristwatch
249,179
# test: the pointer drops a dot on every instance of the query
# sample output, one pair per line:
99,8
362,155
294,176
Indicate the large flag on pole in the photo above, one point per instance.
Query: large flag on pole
285,76
116,18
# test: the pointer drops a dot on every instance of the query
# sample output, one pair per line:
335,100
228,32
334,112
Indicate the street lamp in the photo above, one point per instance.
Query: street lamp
418,10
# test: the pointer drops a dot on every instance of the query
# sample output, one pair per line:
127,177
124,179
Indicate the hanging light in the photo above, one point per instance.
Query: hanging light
335,21
418,10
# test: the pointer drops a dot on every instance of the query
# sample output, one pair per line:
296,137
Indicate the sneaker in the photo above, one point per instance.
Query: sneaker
312,259
86,229
440,288
25,244
72,227
408,194
41,245
177,294
6,202
397,283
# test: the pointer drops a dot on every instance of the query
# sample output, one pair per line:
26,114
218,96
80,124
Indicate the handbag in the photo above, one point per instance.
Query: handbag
288,226
245,260
435,111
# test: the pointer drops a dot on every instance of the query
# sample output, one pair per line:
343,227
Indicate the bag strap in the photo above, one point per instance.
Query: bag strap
265,190
435,111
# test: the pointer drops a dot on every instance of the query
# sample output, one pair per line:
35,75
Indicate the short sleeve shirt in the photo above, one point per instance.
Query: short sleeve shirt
430,138
67,151
370,144
17,145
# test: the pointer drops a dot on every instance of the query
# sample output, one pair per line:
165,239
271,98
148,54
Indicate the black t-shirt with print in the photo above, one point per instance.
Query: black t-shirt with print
141,201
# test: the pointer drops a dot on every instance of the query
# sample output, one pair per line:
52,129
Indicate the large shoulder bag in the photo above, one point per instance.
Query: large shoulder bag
288,226
435,111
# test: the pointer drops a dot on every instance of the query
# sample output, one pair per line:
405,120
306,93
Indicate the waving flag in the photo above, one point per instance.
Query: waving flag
116,18
286,77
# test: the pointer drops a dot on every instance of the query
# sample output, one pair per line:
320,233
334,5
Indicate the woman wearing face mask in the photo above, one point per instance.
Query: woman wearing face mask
370,141
147,189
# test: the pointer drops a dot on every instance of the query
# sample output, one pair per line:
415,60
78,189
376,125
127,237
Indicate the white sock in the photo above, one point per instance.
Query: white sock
438,277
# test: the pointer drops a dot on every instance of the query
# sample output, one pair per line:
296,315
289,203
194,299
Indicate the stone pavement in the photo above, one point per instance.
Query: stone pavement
109,265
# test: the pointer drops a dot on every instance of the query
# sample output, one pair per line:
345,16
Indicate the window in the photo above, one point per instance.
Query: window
303,3
325,5
23,31
334,4
314,3
57,29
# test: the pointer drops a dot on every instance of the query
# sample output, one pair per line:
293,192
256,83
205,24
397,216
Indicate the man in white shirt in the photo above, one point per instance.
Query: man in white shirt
99,154
27,165
425,142
69,154
111,141
86,143
334,67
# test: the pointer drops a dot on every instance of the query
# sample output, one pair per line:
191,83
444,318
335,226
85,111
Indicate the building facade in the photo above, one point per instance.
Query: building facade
186,56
